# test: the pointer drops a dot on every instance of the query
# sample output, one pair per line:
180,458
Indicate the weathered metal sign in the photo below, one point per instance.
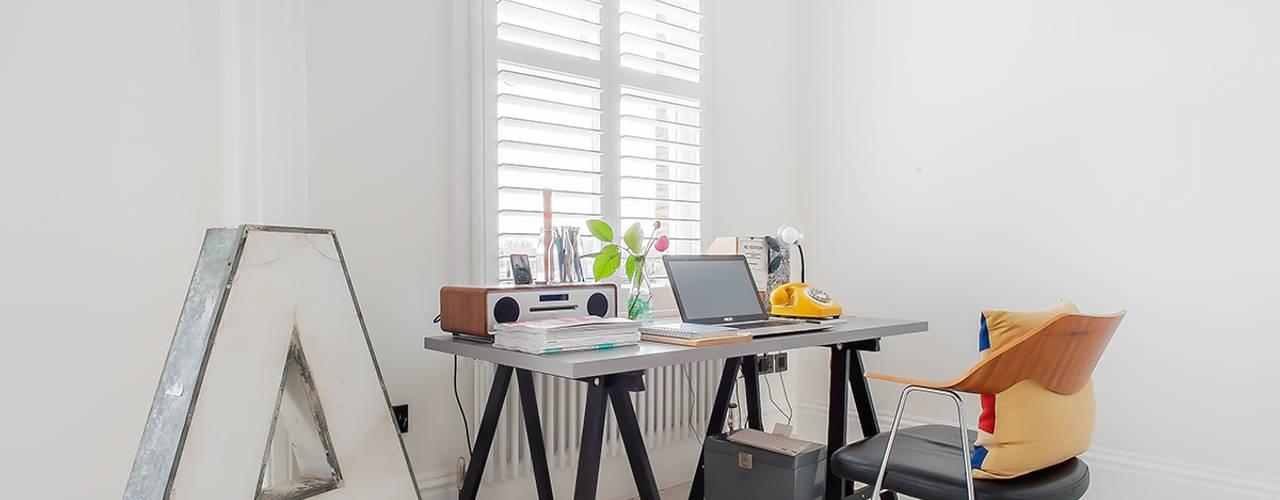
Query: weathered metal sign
271,356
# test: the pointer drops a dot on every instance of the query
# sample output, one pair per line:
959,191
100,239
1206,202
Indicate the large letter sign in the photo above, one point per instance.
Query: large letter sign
271,358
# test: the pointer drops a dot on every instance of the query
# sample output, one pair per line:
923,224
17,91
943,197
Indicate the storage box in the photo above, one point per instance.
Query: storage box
739,472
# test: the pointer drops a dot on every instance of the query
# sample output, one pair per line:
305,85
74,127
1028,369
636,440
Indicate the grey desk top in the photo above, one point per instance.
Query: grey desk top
582,364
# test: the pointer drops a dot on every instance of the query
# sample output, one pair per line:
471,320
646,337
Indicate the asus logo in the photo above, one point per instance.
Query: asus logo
728,318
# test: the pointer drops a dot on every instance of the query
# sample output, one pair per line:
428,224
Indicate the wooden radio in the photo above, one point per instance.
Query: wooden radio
477,310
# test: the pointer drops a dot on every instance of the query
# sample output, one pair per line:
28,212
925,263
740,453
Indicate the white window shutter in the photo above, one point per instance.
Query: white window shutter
545,63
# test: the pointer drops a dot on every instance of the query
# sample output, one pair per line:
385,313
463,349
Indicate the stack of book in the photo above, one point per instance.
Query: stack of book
547,336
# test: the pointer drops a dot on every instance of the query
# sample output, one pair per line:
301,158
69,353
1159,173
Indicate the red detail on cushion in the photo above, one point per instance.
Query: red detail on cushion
987,421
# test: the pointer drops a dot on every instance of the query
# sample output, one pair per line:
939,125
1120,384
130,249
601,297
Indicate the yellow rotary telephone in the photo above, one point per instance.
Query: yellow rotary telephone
798,300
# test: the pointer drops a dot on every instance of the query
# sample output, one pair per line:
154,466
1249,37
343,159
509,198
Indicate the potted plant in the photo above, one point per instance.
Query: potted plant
631,255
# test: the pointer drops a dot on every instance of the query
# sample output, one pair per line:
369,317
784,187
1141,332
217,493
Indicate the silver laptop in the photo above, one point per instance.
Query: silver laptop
716,295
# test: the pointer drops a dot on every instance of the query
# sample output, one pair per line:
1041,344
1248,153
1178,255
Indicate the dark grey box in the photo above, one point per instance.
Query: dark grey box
740,472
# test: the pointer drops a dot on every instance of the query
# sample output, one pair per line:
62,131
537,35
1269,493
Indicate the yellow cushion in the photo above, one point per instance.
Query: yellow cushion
1027,427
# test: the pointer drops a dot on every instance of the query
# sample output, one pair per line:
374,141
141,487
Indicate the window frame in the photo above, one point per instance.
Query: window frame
485,52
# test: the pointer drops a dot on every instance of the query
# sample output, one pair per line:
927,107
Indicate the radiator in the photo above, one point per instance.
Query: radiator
671,409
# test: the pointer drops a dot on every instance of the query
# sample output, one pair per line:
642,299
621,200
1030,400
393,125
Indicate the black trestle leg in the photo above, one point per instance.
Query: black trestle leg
533,429
719,412
751,385
484,436
633,441
862,396
862,401
837,408
592,439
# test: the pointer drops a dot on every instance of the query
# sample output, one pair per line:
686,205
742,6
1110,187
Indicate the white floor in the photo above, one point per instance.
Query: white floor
677,492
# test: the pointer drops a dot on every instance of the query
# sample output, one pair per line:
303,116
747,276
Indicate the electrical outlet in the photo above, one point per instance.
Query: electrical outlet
764,363
401,412
780,362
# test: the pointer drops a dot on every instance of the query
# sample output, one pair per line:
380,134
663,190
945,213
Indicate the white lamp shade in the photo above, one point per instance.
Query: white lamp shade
790,235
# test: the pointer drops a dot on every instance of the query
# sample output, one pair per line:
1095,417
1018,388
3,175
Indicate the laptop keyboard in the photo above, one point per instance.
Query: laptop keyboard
763,324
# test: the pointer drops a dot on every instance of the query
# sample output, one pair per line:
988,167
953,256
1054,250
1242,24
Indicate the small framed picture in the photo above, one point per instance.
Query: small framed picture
520,269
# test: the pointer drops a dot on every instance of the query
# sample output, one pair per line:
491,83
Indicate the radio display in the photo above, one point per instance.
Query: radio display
552,297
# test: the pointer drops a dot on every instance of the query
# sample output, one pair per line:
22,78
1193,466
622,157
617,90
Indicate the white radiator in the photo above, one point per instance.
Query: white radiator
672,408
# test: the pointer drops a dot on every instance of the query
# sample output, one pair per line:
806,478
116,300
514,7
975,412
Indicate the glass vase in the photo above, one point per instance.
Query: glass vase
639,297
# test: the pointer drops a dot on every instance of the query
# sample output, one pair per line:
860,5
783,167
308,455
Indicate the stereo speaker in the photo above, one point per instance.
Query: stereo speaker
477,310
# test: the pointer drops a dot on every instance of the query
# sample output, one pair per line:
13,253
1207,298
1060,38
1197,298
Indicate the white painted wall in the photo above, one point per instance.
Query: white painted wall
969,155
755,126
109,149
381,131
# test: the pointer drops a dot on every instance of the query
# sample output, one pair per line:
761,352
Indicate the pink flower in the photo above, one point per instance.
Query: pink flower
662,244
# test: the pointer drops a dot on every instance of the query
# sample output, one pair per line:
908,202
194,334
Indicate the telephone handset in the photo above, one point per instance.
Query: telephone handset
799,300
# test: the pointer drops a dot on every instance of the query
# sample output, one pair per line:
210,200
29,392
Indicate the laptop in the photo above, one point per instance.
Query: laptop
716,295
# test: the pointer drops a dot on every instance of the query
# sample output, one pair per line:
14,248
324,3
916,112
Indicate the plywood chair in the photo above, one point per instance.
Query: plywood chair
1060,356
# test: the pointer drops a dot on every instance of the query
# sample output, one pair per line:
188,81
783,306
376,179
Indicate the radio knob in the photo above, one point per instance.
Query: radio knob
598,305
506,310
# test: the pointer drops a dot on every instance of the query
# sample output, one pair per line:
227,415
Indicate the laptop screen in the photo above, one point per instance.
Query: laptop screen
714,288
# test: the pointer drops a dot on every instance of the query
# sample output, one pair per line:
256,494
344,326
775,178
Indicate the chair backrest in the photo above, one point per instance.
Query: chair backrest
1060,356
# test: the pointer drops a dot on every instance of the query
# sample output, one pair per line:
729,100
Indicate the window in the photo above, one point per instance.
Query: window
601,102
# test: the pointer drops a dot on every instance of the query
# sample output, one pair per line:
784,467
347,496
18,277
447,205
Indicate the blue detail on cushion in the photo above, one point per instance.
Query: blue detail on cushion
979,454
984,338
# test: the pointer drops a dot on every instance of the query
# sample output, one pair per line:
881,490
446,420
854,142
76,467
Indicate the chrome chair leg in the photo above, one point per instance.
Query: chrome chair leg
897,422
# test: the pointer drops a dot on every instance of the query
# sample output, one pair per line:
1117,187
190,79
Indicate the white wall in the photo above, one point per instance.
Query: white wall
972,155
755,126
381,161
109,149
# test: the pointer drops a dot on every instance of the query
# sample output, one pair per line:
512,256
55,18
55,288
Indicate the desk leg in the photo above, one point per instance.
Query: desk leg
533,429
837,409
751,385
484,436
633,441
862,397
592,439
719,412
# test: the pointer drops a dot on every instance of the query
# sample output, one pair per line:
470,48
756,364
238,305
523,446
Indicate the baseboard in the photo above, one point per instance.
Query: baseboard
1116,473
439,484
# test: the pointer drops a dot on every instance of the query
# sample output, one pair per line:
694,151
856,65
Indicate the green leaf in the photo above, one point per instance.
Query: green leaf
609,250
631,267
606,266
607,262
634,238
601,230
588,256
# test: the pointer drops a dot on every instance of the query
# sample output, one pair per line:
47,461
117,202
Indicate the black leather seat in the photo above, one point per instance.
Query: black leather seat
926,464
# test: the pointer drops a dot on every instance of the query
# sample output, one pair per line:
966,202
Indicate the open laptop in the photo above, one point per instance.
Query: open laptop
715,294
